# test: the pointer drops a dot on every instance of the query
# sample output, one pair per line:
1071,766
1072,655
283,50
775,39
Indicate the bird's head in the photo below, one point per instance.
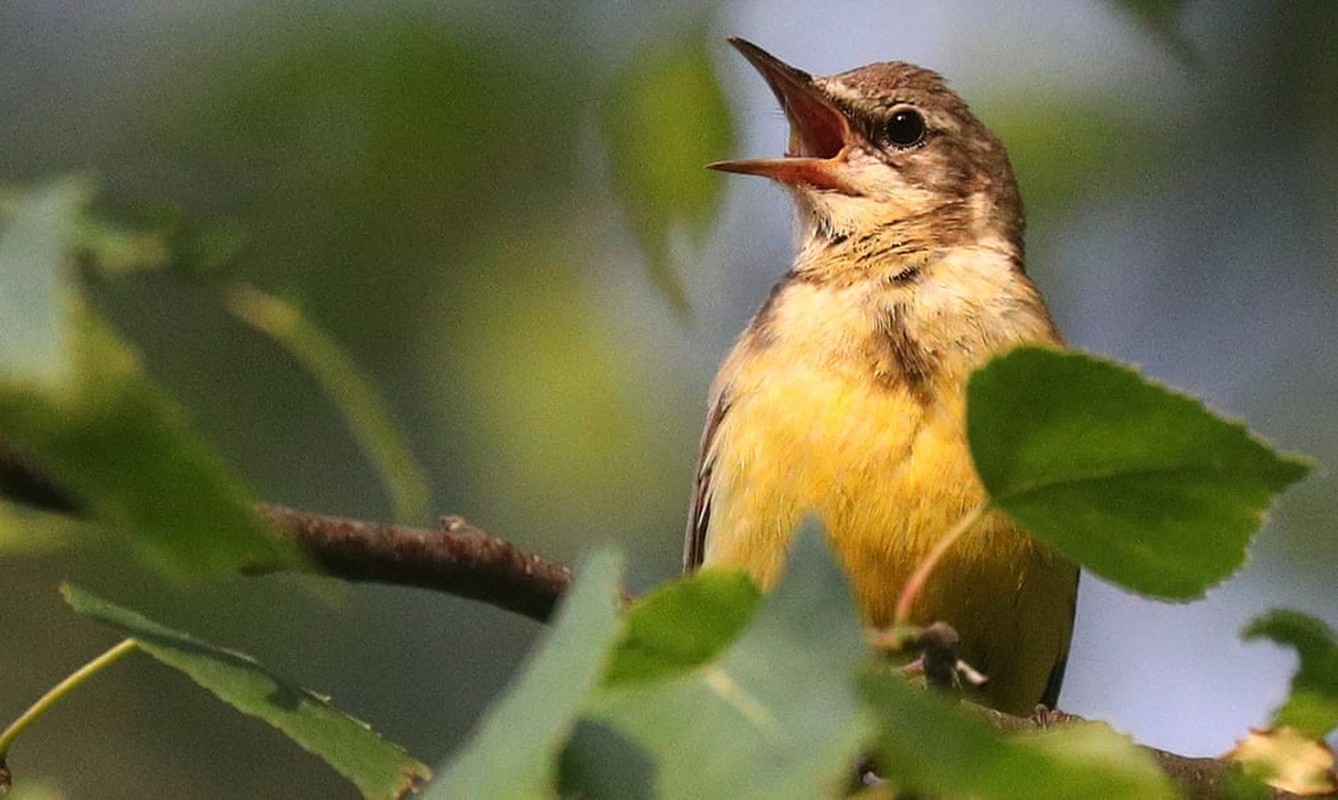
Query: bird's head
887,151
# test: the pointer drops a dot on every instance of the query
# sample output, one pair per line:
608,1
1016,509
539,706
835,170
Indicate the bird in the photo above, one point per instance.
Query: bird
845,396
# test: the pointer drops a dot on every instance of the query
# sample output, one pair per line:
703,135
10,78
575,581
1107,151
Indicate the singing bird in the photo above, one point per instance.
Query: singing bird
845,395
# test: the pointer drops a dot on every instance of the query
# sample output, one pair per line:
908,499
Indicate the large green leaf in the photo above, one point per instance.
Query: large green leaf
86,416
926,745
1141,485
774,716
379,768
515,751
1312,705
665,118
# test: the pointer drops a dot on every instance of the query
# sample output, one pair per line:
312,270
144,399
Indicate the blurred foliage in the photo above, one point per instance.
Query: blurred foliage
34,266
24,531
1312,706
665,118
1287,759
565,413
1291,753
86,415
513,755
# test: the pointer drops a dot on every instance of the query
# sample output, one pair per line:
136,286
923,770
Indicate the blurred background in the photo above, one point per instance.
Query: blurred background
443,188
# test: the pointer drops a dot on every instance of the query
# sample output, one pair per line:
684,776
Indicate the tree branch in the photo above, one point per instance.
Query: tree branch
455,558
1197,777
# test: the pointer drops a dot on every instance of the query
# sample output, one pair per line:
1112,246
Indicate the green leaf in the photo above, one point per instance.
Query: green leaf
775,716
1141,485
515,750
378,768
683,624
664,119
364,410
1312,706
926,745
95,425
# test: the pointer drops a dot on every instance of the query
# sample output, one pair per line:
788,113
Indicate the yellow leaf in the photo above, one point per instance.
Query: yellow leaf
1287,759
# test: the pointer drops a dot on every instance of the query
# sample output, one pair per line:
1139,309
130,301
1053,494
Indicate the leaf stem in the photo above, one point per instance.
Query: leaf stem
935,555
364,410
56,693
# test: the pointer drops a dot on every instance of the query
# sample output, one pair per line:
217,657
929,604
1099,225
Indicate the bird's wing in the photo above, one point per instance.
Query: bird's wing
1050,697
694,542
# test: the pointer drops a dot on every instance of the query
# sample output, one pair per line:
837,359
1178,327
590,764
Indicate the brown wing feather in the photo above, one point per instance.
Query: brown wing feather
694,542
1050,697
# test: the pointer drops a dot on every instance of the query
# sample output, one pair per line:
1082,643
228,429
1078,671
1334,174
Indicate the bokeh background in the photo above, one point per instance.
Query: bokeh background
430,182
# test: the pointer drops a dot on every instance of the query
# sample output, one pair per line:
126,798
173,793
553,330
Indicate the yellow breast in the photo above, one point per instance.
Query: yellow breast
886,474
811,428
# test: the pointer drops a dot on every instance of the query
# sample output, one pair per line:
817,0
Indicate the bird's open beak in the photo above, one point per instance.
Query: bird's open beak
819,132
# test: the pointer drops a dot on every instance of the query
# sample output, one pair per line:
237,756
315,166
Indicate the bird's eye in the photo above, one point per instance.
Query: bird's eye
905,128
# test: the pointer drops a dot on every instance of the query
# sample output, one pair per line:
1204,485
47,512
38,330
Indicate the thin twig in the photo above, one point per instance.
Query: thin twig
364,409
917,580
53,696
